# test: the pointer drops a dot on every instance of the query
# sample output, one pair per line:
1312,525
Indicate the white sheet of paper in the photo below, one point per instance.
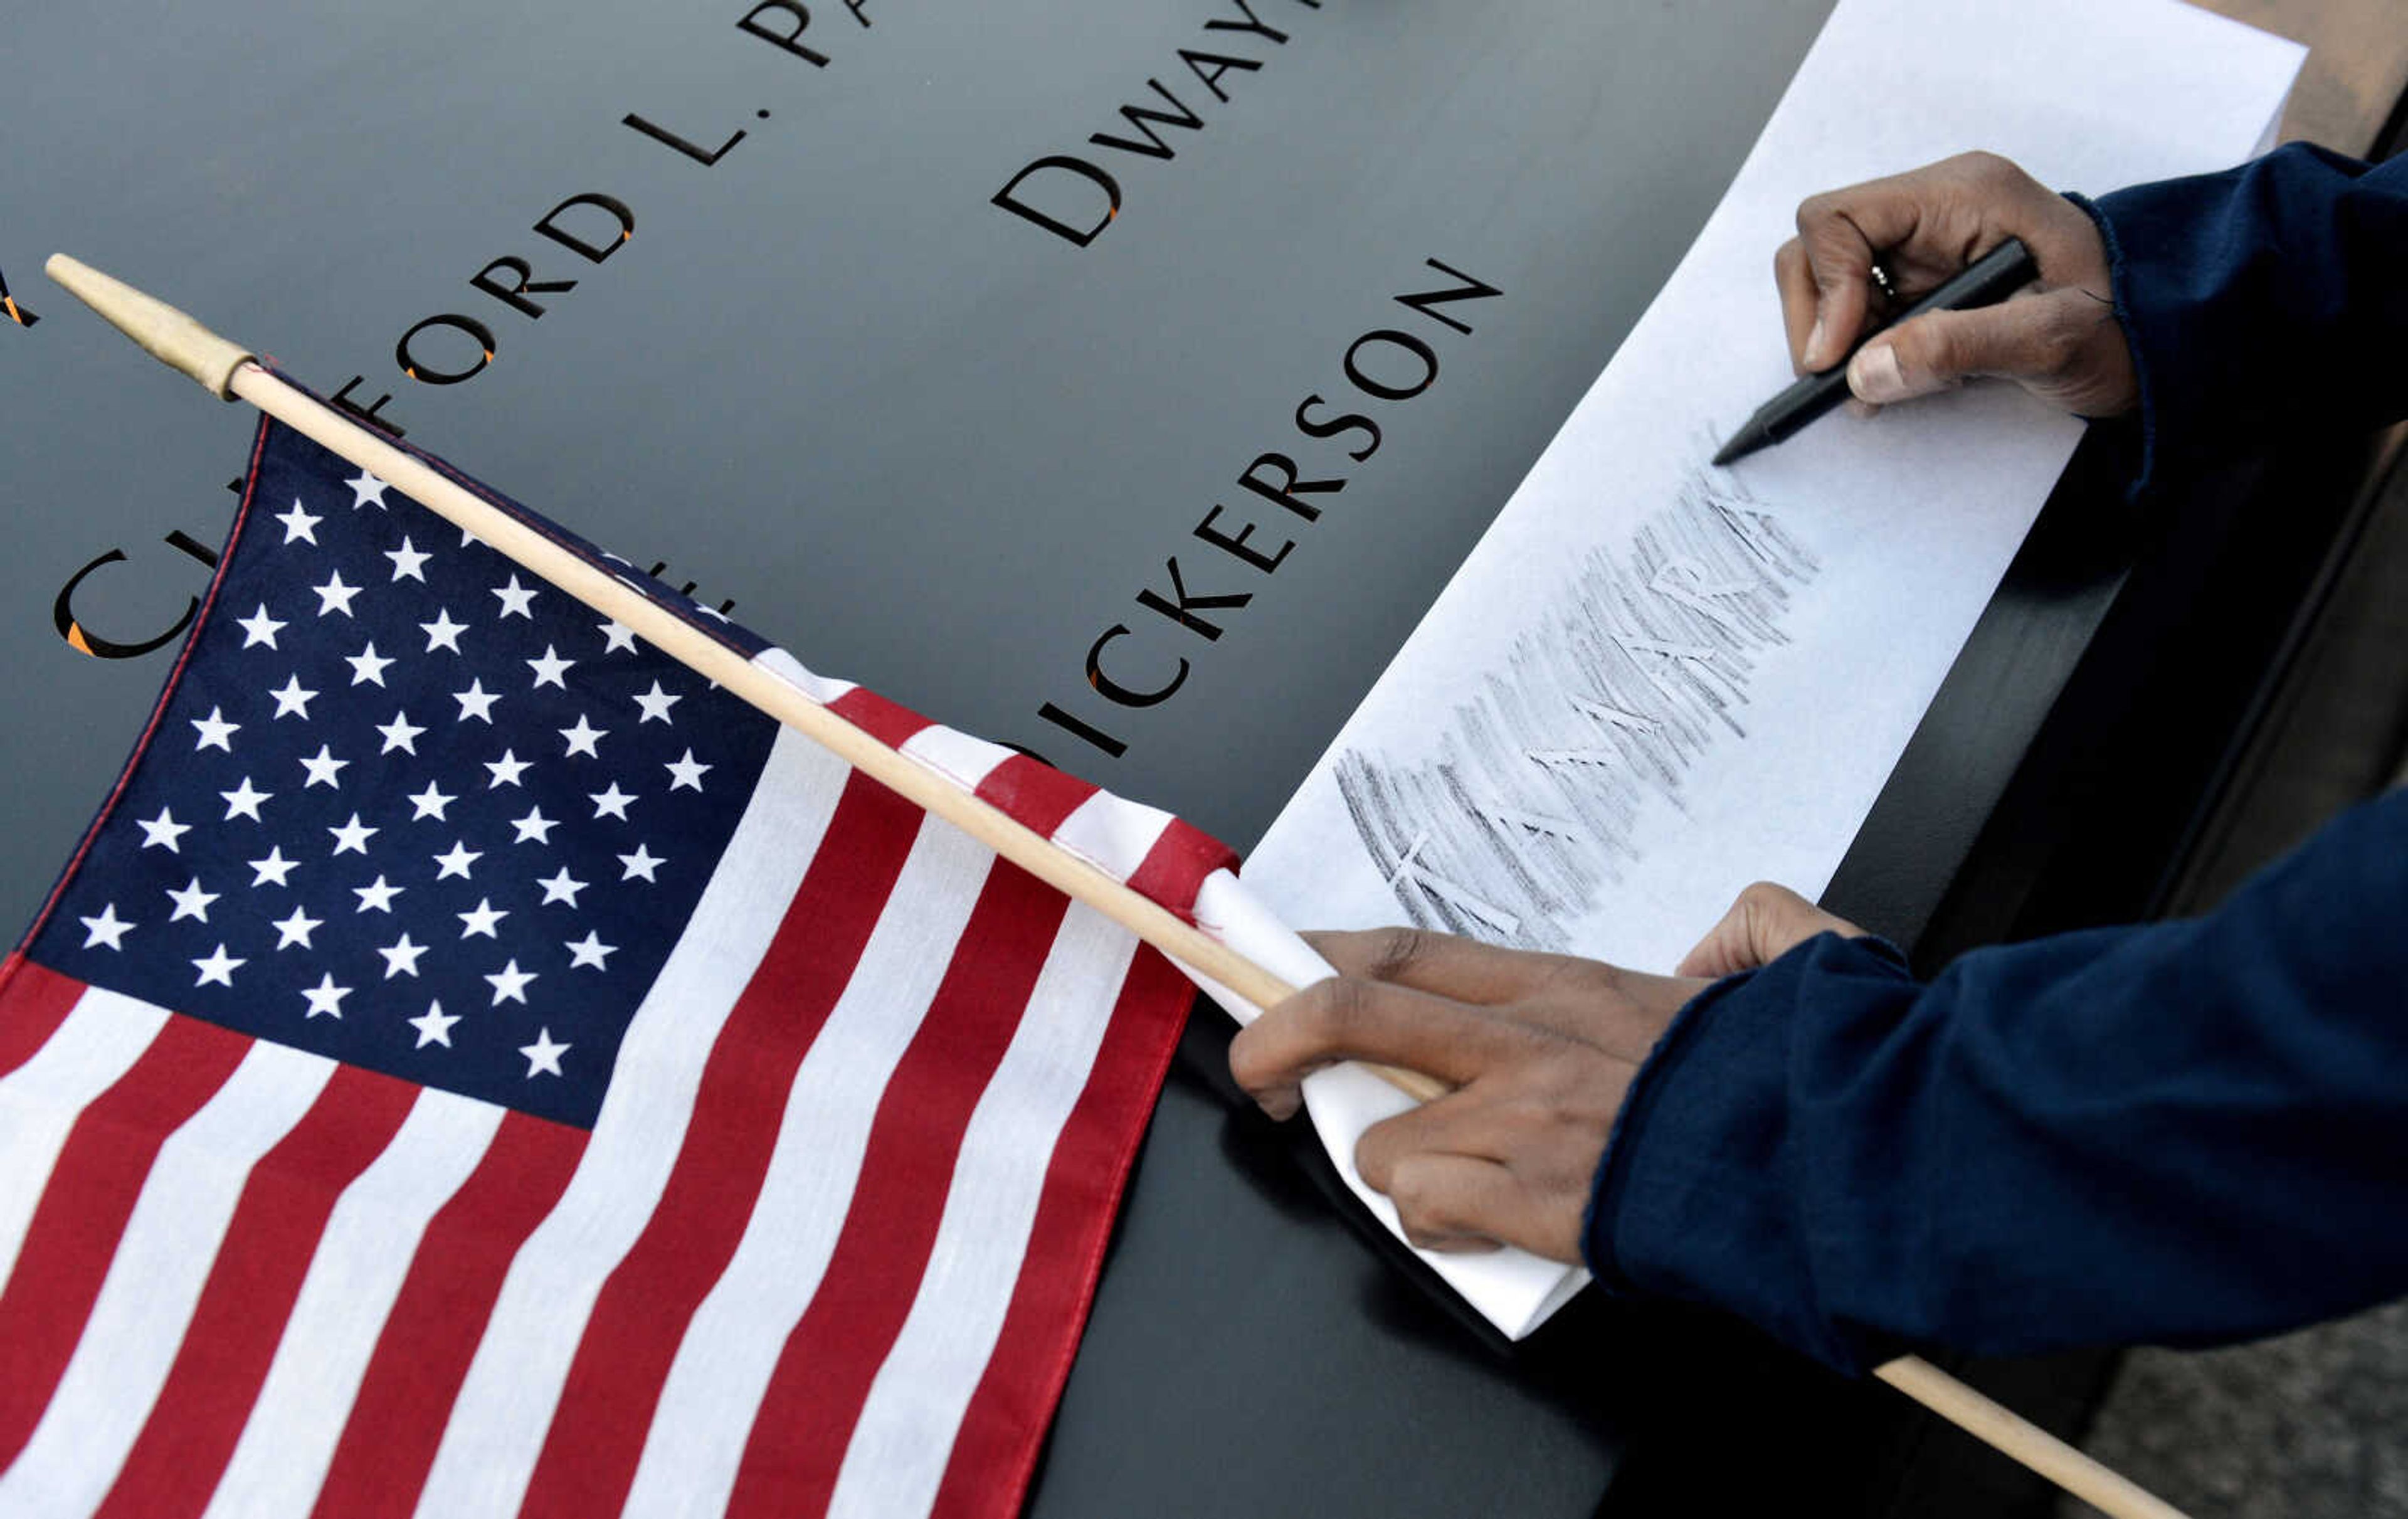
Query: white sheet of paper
1653,682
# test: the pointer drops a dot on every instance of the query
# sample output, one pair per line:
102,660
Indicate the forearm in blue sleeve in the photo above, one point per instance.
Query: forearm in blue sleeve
2262,298
2188,1133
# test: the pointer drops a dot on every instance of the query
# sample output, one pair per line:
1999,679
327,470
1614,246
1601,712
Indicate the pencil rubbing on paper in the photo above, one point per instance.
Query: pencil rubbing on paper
1535,795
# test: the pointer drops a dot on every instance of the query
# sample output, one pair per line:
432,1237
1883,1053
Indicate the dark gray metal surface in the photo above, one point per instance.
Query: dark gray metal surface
924,443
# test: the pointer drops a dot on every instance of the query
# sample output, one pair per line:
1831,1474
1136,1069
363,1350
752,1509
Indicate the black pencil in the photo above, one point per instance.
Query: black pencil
1987,281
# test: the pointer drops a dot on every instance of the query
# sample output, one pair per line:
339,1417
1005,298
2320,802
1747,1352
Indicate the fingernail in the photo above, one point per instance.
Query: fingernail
1814,345
1862,409
1873,374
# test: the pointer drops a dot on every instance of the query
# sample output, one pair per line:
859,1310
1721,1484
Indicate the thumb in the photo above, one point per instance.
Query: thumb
2024,339
1766,923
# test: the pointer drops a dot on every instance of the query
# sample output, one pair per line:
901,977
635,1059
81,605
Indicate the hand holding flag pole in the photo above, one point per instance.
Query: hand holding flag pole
229,371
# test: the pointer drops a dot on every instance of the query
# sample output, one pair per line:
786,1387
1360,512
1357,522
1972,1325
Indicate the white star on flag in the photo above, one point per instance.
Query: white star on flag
243,801
367,668
323,766
535,826
292,700
590,951
401,957
641,863
543,1056
583,738
191,902
325,997
611,803
507,769
442,633
215,731
273,870
335,596
476,702
617,637
408,561
401,734
483,920
377,898
517,600
687,772
299,526
353,837
510,983
164,831
297,929
456,862
656,704
434,1026
258,629
218,967
550,669
366,491
560,888
107,928
430,803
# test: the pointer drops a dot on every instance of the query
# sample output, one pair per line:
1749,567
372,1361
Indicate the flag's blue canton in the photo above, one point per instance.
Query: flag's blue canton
410,807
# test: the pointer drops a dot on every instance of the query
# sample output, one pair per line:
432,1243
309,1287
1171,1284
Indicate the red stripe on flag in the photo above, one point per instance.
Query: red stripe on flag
430,1337
1173,870
92,1192
34,1001
890,722
805,1417
995,1454
231,1337
597,1434
1035,793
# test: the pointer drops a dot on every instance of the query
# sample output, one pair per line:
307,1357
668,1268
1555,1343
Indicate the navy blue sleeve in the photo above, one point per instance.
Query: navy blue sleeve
2260,299
2186,1133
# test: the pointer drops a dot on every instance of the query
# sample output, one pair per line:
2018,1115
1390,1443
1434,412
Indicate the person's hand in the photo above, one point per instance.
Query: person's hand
2059,338
1539,1049
1766,923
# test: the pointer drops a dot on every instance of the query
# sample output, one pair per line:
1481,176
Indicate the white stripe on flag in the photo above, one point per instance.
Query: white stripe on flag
1115,832
147,1299
960,758
497,1423
787,667
371,1236
731,1349
898,1456
97,1043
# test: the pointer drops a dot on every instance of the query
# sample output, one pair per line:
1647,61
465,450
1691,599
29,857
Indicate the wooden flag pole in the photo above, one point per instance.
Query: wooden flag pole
2002,1429
231,372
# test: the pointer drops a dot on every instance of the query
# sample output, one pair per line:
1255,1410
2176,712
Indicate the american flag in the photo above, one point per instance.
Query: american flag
474,1065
